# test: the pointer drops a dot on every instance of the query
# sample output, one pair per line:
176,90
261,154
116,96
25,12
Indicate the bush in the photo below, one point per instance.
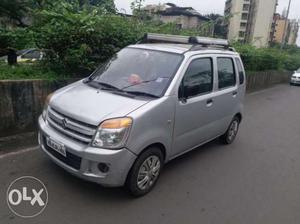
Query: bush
28,71
268,58
78,41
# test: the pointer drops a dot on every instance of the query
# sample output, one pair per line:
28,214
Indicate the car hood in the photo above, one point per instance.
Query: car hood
296,74
89,105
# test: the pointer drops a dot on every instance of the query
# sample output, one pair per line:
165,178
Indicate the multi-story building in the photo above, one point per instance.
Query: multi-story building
279,24
250,20
292,33
284,29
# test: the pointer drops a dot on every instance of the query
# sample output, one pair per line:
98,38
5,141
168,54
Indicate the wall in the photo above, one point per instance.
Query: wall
21,102
264,79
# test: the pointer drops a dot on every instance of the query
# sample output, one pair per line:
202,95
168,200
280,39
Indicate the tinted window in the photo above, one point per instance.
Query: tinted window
226,73
32,55
198,78
139,70
240,70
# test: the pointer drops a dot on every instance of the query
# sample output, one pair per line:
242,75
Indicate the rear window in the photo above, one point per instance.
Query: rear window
226,73
240,71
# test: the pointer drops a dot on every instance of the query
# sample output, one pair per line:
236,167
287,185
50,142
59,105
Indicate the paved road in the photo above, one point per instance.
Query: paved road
255,180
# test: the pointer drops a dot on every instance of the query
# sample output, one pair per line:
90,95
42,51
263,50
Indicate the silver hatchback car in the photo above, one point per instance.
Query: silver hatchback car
151,102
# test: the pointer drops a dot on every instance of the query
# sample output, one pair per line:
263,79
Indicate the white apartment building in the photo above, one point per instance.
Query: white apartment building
250,20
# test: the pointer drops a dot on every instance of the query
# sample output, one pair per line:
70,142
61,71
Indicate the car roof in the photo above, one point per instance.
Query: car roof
187,49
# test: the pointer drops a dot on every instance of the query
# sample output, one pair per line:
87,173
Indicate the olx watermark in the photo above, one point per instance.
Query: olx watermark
27,197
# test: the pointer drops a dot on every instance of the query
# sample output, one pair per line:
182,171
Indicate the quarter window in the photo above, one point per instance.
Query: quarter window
241,71
226,73
198,78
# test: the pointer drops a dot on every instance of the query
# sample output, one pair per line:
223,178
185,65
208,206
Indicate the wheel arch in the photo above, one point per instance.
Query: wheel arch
239,116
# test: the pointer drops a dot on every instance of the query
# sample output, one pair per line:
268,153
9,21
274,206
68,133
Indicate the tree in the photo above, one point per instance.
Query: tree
136,7
218,21
13,12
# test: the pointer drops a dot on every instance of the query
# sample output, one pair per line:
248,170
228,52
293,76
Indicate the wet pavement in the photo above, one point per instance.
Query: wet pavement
256,180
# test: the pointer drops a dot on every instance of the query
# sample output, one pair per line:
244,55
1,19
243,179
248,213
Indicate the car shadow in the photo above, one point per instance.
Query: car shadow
119,194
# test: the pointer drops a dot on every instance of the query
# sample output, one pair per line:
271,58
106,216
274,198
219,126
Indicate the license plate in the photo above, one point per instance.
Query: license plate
58,147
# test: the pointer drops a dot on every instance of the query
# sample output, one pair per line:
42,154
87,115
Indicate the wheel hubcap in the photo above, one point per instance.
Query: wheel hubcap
148,172
233,130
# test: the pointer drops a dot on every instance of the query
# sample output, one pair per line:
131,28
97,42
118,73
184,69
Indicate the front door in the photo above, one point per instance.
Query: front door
194,115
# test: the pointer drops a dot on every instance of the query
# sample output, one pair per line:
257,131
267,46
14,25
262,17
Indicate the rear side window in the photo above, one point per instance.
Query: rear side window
226,73
198,78
240,71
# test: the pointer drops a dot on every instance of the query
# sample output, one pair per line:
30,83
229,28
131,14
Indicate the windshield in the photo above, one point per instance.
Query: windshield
138,71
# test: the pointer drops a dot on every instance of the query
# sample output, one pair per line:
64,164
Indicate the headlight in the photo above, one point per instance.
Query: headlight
113,133
45,109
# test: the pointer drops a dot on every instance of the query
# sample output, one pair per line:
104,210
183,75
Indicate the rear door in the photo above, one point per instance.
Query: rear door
227,94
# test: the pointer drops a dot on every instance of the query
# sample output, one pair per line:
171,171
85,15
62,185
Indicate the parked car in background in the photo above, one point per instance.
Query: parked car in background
295,79
149,104
27,55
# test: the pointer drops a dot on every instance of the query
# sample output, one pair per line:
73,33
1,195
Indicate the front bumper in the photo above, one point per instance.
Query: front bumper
82,160
295,81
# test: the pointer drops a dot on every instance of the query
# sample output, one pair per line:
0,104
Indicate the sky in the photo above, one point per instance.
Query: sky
214,6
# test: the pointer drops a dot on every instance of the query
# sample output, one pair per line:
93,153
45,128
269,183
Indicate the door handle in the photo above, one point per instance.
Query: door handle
234,94
209,102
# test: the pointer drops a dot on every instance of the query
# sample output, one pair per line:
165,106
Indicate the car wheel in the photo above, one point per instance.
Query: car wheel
231,132
145,172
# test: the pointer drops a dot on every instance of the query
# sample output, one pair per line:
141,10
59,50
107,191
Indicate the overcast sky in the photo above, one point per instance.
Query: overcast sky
213,6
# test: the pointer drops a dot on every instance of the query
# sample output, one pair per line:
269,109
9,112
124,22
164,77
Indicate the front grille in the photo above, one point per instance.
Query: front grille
70,127
70,159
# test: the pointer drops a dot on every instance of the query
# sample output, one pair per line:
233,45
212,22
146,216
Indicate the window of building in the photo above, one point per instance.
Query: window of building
226,73
244,16
243,25
242,34
246,7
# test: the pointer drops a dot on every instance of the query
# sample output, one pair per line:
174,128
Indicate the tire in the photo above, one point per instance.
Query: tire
145,172
232,131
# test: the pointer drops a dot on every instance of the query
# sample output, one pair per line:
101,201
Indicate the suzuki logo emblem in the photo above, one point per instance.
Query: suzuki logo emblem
64,123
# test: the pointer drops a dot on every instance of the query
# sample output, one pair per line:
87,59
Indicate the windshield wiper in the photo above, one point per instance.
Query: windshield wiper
137,93
147,81
108,86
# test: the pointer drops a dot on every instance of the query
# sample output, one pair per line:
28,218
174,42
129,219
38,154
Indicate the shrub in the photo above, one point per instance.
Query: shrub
28,71
268,58
78,41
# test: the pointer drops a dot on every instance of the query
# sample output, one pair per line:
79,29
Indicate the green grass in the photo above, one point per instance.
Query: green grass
28,71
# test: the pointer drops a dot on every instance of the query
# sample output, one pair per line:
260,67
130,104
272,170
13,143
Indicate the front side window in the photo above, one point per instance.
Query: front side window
226,73
240,71
198,78
139,71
